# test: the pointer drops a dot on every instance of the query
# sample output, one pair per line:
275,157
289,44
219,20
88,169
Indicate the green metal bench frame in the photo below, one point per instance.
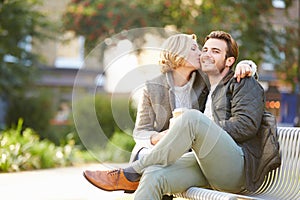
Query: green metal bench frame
280,184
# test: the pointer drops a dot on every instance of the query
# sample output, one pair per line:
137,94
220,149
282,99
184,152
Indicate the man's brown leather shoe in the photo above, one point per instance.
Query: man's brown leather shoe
110,180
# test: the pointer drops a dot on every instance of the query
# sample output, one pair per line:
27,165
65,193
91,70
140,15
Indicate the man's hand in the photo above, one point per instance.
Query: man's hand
157,137
244,68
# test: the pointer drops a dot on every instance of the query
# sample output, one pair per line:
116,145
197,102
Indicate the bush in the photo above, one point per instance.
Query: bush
23,150
36,110
102,111
118,149
58,133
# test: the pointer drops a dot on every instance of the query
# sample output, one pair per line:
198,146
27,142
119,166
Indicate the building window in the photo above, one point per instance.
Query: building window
70,51
278,3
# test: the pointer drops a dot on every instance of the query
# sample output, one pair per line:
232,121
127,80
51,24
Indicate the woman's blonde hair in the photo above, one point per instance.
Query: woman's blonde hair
175,50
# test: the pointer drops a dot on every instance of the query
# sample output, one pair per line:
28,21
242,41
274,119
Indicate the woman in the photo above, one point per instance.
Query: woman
182,84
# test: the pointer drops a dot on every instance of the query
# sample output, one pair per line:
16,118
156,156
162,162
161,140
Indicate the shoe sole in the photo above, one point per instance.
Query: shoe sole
125,191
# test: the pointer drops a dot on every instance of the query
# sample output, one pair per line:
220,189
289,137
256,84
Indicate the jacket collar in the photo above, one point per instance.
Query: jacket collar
169,79
170,83
227,77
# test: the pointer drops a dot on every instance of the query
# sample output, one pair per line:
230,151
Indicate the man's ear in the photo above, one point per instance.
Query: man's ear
229,61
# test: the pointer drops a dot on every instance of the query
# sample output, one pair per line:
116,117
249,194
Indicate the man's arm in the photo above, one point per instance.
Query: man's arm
245,68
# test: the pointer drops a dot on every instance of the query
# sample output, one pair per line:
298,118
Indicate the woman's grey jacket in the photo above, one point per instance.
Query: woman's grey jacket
157,103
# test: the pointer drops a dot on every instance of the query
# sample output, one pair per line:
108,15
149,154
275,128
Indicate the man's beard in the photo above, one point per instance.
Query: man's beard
224,66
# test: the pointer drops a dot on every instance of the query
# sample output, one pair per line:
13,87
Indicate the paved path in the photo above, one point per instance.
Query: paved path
55,184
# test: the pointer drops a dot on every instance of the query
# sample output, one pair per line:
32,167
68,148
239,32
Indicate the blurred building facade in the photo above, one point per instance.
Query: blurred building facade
281,100
62,60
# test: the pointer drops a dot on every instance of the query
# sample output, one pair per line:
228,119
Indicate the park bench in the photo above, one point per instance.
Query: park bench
280,184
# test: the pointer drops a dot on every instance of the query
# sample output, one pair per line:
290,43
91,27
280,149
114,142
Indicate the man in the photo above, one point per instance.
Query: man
221,138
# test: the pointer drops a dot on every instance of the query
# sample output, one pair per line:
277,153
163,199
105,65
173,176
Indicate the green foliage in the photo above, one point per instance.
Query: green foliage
101,18
105,112
289,68
104,124
118,149
248,21
237,18
23,150
36,110
20,21
58,133
109,16
122,141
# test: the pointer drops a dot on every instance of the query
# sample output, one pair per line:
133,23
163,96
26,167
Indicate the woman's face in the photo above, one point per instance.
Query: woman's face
193,58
